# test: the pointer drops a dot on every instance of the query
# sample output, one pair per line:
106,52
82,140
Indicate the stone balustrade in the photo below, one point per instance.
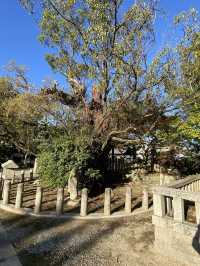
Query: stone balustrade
190,183
20,193
174,235
18,175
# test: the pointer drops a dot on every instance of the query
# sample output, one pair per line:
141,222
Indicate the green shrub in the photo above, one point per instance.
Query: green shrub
57,159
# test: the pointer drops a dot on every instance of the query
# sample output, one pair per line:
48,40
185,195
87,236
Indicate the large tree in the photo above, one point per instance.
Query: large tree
115,94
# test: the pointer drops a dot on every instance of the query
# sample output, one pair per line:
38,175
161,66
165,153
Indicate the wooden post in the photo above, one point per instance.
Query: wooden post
84,200
59,202
107,202
18,201
128,200
38,200
6,192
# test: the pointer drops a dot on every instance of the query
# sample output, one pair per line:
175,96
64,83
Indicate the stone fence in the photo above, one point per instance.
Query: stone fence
15,175
18,207
174,235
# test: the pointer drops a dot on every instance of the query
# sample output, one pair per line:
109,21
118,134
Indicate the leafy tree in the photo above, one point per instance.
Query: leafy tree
19,118
103,53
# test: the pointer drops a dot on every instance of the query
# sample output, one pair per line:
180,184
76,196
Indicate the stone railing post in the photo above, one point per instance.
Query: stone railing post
128,200
18,201
197,210
22,176
1,185
159,205
31,175
107,203
169,208
162,175
145,200
59,202
84,200
6,192
178,207
38,200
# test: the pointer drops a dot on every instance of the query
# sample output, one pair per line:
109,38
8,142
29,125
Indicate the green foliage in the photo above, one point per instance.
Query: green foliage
58,159
115,94
188,62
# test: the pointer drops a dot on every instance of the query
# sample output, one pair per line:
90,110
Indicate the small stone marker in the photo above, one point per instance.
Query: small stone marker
107,200
38,200
84,200
145,199
59,202
72,185
6,191
128,200
18,201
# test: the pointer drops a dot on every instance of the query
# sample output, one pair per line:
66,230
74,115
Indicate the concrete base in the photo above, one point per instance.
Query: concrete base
180,241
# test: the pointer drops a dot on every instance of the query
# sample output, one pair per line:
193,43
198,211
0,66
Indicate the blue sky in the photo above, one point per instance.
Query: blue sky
18,36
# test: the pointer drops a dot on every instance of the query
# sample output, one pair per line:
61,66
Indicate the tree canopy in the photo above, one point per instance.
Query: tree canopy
114,93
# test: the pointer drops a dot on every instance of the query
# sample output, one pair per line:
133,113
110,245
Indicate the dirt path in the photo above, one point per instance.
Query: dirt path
42,242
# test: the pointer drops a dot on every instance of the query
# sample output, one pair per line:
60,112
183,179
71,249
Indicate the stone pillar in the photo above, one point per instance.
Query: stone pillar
72,185
18,201
169,206
192,186
162,175
84,200
197,210
13,177
22,175
38,200
128,200
107,200
196,186
178,206
6,192
159,205
1,186
31,175
145,200
59,202
35,168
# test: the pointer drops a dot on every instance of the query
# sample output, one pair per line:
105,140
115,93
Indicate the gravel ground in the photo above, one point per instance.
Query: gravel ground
48,242
42,242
